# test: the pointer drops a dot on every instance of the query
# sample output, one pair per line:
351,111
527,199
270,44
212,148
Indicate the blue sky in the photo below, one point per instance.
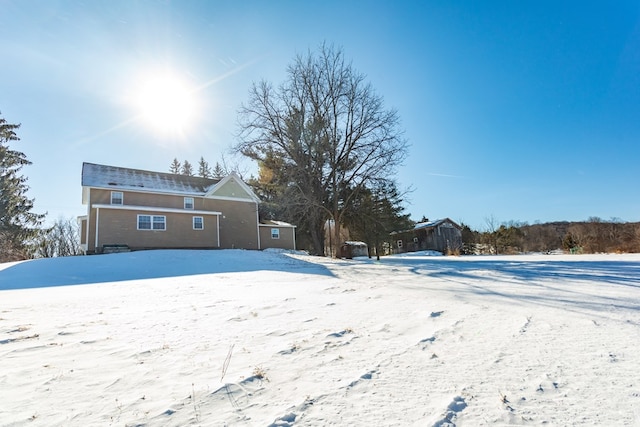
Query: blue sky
525,111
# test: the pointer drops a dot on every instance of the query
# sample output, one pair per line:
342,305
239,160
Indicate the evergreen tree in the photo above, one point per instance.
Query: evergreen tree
204,170
218,171
175,166
187,169
376,213
18,225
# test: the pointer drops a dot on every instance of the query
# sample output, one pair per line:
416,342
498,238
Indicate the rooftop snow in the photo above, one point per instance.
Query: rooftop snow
102,176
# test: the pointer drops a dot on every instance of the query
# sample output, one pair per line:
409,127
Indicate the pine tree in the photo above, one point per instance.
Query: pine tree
18,225
377,212
218,172
175,166
204,171
187,169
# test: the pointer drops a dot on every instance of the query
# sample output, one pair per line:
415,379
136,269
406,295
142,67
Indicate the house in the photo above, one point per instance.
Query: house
442,235
138,209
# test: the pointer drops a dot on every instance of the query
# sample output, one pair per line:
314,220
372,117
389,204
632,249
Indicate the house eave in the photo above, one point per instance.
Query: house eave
154,209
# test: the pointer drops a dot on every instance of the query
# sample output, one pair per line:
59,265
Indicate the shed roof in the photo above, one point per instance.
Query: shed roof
428,224
435,223
103,176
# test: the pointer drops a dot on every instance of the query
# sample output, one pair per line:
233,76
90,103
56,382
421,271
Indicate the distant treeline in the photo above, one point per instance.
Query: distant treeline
592,236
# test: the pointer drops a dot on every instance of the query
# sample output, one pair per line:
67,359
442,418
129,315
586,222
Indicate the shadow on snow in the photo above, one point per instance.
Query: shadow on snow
549,283
147,265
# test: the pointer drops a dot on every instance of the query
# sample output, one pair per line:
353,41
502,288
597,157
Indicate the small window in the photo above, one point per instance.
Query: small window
415,240
275,233
152,222
399,243
198,223
116,197
188,202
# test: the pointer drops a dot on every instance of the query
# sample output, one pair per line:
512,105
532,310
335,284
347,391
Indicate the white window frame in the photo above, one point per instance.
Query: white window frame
275,233
153,221
193,222
113,193
189,203
399,244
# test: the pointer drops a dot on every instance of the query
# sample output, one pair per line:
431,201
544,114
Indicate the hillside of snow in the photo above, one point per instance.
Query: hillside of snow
247,338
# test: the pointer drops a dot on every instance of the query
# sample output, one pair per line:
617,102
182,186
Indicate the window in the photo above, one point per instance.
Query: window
144,222
152,222
116,197
159,222
275,233
399,243
188,202
198,223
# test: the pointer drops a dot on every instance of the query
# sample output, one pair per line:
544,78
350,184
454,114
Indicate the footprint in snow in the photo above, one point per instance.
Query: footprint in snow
457,405
368,376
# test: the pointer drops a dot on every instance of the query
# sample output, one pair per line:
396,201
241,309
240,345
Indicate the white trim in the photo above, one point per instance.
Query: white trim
155,209
232,199
218,229
143,190
258,227
88,222
277,225
97,228
275,236
207,195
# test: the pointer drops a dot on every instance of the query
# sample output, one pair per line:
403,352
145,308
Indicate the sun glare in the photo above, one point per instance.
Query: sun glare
166,103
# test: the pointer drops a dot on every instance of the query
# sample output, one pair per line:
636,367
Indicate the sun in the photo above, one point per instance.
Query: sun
166,103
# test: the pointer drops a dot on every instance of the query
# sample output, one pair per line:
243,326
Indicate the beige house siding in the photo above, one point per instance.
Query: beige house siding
100,196
286,241
118,225
238,223
232,189
228,208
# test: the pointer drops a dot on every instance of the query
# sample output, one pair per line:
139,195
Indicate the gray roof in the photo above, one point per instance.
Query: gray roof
102,176
428,224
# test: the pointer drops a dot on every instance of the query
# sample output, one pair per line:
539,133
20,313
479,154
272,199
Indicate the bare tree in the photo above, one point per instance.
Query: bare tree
491,233
328,132
63,239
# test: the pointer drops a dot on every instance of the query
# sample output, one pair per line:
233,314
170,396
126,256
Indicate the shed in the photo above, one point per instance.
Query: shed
352,249
442,235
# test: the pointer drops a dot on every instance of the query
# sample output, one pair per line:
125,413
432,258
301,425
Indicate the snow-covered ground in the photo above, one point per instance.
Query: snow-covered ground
213,338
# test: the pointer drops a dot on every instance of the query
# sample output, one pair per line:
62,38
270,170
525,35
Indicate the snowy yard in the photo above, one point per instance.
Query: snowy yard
174,338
